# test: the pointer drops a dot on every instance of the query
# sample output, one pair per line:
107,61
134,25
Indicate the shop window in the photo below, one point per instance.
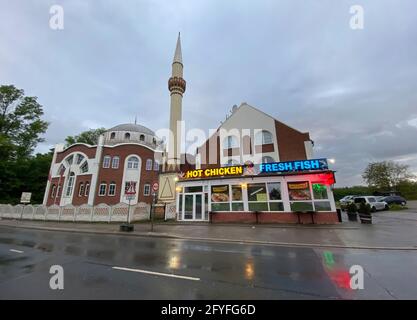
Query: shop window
320,193
300,196
149,164
102,189
133,163
257,197
220,198
106,162
70,184
263,137
115,162
146,189
112,188
81,189
237,199
274,196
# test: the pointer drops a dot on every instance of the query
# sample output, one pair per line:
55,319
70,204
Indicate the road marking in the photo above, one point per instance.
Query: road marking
157,273
17,251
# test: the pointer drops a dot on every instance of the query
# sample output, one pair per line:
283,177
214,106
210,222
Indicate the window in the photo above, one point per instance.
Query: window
102,189
149,164
84,167
156,165
106,162
70,184
154,141
87,189
80,158
231,142
300,196
70,159
127,136
115,162
133,163
81,189
220,200
263,137
257,197
113,135
321,197
237,199
146,189
53,191
267,159
58,191
112,188
232,162
61,170
274,196
142,137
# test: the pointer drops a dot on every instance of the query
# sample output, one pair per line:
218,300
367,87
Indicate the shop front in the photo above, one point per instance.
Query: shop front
283,192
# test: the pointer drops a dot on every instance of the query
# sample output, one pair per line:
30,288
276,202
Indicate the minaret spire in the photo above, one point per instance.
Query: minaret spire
176,85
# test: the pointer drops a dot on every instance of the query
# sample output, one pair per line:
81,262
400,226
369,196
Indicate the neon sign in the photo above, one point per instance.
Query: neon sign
214,172
299,165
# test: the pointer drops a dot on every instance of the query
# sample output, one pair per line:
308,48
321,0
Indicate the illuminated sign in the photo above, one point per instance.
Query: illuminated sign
299,165
214,172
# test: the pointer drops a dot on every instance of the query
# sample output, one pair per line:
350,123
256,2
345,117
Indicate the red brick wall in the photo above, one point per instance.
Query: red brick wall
54,181
290,142
78,200
90,152
275,217
109,174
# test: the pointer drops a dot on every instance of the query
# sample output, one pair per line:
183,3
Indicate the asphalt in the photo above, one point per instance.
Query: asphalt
113,266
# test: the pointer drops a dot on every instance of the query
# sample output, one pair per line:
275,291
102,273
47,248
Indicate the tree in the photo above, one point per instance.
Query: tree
20,123
386,174
89,137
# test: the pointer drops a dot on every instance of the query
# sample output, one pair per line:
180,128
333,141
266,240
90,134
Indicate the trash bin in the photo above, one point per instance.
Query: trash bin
339,215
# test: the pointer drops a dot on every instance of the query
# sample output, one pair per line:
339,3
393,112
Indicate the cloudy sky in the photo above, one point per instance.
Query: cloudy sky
355,91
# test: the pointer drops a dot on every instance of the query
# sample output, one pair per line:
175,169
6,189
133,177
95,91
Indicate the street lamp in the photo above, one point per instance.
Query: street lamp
332,160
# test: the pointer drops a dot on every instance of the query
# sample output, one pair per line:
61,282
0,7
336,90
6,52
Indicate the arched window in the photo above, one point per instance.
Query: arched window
84,167
230,142
102,189
133,163
70,159
149,164
112,188
113,135
142,137
61,170
156,165
87,189
70,184
106,161
53,191
267,159
127,136
80,158
115,162
81,189
263,137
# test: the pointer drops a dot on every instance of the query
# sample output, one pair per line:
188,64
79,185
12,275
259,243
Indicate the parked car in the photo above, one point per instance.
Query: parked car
375,205
346,199
379,198
395,200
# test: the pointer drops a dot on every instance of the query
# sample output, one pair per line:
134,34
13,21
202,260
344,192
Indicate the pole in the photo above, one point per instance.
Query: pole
128,212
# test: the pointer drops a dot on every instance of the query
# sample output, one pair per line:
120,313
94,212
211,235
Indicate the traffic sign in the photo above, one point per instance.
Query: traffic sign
25,197
155,186
130,187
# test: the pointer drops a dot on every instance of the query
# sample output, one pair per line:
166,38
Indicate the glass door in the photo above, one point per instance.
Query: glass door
193,206
188,207
198,206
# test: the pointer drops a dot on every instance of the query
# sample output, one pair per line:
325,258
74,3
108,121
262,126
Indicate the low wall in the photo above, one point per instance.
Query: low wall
274,217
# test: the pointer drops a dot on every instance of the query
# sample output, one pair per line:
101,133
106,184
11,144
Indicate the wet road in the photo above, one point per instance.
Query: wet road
123,267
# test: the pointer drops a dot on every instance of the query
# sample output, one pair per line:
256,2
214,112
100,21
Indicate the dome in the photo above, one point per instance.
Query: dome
133,128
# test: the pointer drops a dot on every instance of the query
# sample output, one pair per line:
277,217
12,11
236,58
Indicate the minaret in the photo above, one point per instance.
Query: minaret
176,85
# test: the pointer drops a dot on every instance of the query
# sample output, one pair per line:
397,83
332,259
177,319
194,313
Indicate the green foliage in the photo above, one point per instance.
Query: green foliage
351,208
408,189
386,175
20,123
89,137
339,193
364,208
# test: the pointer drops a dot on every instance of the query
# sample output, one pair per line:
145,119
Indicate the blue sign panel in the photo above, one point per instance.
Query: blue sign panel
299,165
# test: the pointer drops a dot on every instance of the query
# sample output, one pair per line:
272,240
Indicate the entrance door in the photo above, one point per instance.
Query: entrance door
193,206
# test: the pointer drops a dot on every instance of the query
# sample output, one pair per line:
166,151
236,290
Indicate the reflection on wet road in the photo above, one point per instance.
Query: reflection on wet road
121,267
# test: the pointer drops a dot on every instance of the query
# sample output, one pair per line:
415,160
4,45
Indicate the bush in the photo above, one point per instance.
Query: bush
351,208
364,208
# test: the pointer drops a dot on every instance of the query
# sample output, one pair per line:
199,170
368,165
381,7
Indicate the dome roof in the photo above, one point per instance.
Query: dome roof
133,128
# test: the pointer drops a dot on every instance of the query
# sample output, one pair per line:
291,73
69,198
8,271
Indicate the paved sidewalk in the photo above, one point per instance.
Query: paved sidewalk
390,230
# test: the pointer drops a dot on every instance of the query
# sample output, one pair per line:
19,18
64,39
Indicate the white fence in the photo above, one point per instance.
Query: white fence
84,213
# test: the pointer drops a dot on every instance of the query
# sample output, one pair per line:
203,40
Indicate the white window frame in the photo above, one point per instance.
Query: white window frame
115,161
156,165
263,137
133,164
148,164
112,194
70,185
87,189
102,194
146,186
106,162
81,189
231,142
